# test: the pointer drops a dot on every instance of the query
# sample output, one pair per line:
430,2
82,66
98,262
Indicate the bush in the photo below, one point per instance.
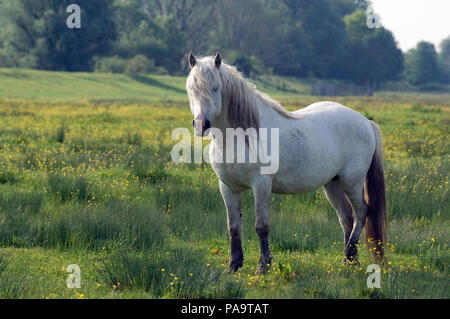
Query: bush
60,134
4,261
67,187
125,225
138,64
7,177
113,64
177,273
131,138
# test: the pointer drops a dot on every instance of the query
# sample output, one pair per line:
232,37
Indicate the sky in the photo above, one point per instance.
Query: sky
412,21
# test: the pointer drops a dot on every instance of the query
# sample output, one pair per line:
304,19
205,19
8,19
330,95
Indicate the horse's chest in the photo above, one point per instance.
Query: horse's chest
234,175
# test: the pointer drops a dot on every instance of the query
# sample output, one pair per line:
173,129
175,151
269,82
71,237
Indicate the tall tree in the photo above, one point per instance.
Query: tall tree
37,36
421,64
187,25
138,33
315,36
444,58
251,27
372,54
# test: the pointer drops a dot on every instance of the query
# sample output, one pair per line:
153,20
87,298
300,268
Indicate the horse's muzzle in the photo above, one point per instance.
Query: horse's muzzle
201,127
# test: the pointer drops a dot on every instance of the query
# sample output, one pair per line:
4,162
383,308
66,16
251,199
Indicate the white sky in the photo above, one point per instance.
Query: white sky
412,21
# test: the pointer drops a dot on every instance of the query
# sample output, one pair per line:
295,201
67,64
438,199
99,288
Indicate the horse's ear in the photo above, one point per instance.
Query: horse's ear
192,60
217,60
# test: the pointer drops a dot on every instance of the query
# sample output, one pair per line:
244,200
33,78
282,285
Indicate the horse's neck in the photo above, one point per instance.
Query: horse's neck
220,122
265,111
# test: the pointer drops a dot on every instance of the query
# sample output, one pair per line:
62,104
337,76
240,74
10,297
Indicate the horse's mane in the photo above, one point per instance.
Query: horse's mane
239,97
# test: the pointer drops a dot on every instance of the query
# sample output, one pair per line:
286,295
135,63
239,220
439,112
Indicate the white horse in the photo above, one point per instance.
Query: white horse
325,144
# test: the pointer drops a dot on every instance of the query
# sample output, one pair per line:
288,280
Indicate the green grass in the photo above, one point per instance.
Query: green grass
86,178
31,84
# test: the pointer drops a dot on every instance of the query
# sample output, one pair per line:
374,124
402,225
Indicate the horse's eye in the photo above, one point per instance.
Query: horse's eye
215,88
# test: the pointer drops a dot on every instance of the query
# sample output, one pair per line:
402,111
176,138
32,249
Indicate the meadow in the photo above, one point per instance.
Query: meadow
86,178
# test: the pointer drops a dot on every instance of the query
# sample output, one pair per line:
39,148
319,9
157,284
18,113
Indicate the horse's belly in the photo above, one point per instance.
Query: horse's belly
305,166
299,186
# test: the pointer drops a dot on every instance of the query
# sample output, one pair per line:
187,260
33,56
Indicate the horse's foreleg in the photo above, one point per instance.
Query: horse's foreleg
262,193
232,201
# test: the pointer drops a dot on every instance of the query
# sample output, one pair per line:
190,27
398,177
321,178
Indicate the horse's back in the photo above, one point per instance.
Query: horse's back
326,140
325,107
336,119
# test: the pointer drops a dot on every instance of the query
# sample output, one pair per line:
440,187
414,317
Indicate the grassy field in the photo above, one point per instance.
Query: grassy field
86,178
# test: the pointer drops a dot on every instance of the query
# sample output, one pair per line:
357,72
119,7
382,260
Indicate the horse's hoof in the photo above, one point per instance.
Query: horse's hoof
351,254
234,266
264,266
350,262
262,270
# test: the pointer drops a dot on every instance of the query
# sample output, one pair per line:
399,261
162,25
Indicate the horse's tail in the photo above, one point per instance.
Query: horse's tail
375,229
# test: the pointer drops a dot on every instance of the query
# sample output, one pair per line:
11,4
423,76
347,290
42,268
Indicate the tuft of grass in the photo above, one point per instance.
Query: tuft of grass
7,177
4,261
11,286
176,273
67,187
131,138
152,175
60,134
418,107
124,225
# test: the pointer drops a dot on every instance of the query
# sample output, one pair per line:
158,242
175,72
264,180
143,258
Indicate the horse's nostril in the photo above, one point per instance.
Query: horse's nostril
193,123
207,125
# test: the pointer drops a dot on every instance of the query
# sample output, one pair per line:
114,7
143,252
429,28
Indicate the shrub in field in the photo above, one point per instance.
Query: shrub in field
29,202
60,134
178,273
151,175
67,187
131,138
18,215
309,231
130,225
4,261
417,107
10,286
7,177
138,64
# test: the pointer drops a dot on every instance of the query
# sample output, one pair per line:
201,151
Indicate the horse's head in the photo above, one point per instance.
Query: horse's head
204,88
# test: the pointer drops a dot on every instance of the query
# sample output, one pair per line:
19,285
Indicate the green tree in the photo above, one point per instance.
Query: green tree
36,35
421,64
444,59
372,54
313,38
186,25
138,35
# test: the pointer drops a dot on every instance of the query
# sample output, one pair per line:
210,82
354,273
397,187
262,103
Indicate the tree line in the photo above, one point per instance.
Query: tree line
299,38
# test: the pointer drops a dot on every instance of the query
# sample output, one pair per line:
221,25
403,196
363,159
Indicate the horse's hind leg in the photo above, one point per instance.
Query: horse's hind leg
339,201
232,201
354,192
